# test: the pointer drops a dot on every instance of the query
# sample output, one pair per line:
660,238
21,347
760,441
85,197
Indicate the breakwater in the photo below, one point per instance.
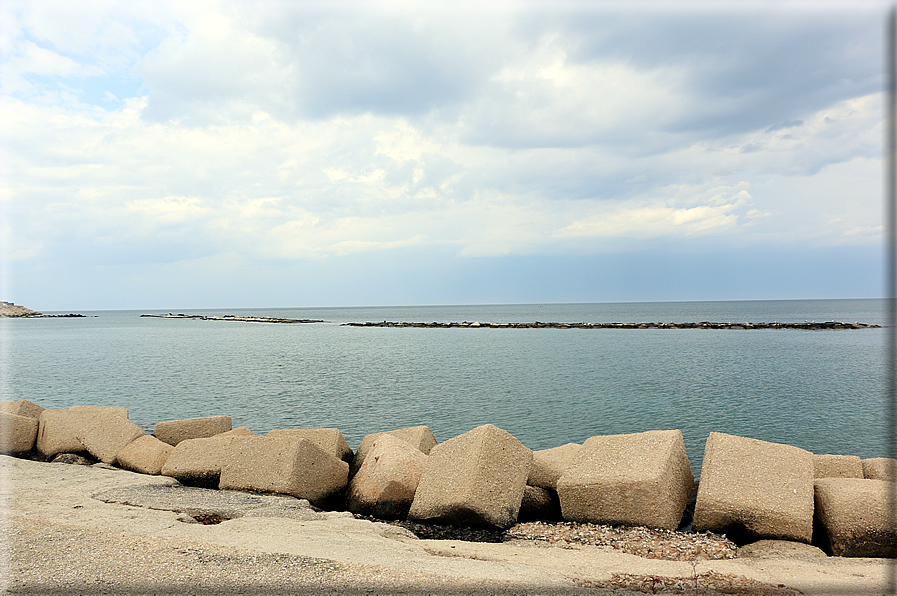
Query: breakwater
233,318
807,325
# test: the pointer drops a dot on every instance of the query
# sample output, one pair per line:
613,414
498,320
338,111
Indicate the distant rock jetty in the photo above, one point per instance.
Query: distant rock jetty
10,310
234,318
806,325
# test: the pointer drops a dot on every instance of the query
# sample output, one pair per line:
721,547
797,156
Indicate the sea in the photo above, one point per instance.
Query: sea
823,391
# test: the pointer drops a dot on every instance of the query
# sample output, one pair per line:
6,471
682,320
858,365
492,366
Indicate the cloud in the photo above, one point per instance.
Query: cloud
286,132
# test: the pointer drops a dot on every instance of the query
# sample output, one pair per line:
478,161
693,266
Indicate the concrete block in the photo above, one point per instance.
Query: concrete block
175,431
286,465
752,490
880,468
475,479
58,430
198,462
837,466
385,484
145,454
22,407
856,514
107,433
640,479
330,440
420,437
549,464
17,433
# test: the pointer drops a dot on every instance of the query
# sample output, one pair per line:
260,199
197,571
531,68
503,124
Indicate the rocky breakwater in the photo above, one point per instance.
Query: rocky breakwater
631,491
806,325
233,318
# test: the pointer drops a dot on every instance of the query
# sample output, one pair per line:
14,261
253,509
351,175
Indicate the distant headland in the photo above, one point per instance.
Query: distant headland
11,310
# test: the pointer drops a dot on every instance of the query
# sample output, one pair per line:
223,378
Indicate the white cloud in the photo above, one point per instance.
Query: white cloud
293,133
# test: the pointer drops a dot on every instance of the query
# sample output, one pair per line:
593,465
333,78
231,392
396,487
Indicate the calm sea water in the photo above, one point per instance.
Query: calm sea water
819,390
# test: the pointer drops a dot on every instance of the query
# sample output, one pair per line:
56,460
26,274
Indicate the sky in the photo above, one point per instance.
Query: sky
218,154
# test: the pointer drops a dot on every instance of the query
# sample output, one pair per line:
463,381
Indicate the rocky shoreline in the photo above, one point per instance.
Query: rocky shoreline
10,310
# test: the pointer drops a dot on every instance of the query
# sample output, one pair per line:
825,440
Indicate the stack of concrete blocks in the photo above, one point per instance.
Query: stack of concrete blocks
198,462
386,482
854,507
285,464
640,479
330,440
19,424
475,479
420,437
752,490
540,499
106,433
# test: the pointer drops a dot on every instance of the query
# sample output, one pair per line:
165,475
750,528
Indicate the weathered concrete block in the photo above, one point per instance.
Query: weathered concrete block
474,479
58,430
286,465
752,490
550,464
837,466
175,431
22,407
856,516
640,479
145,454
385,484
198,462
420,437
330,440
107,433
880,468
17,433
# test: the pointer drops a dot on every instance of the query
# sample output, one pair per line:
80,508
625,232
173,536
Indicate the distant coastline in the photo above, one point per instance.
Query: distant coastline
11,310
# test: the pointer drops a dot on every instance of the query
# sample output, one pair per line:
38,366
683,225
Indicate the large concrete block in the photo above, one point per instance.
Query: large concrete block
145,454
286,465
107,433
175,431
752,490
640,479
385,484
837,466
198,462
22,407
550,464
474,479
58,430
880,468
420,437
856,514
330,440
17,433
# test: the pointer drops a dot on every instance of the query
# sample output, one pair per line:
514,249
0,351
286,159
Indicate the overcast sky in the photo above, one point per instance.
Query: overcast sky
226,154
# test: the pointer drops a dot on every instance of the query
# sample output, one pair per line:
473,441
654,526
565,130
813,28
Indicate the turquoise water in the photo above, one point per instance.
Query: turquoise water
819,390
